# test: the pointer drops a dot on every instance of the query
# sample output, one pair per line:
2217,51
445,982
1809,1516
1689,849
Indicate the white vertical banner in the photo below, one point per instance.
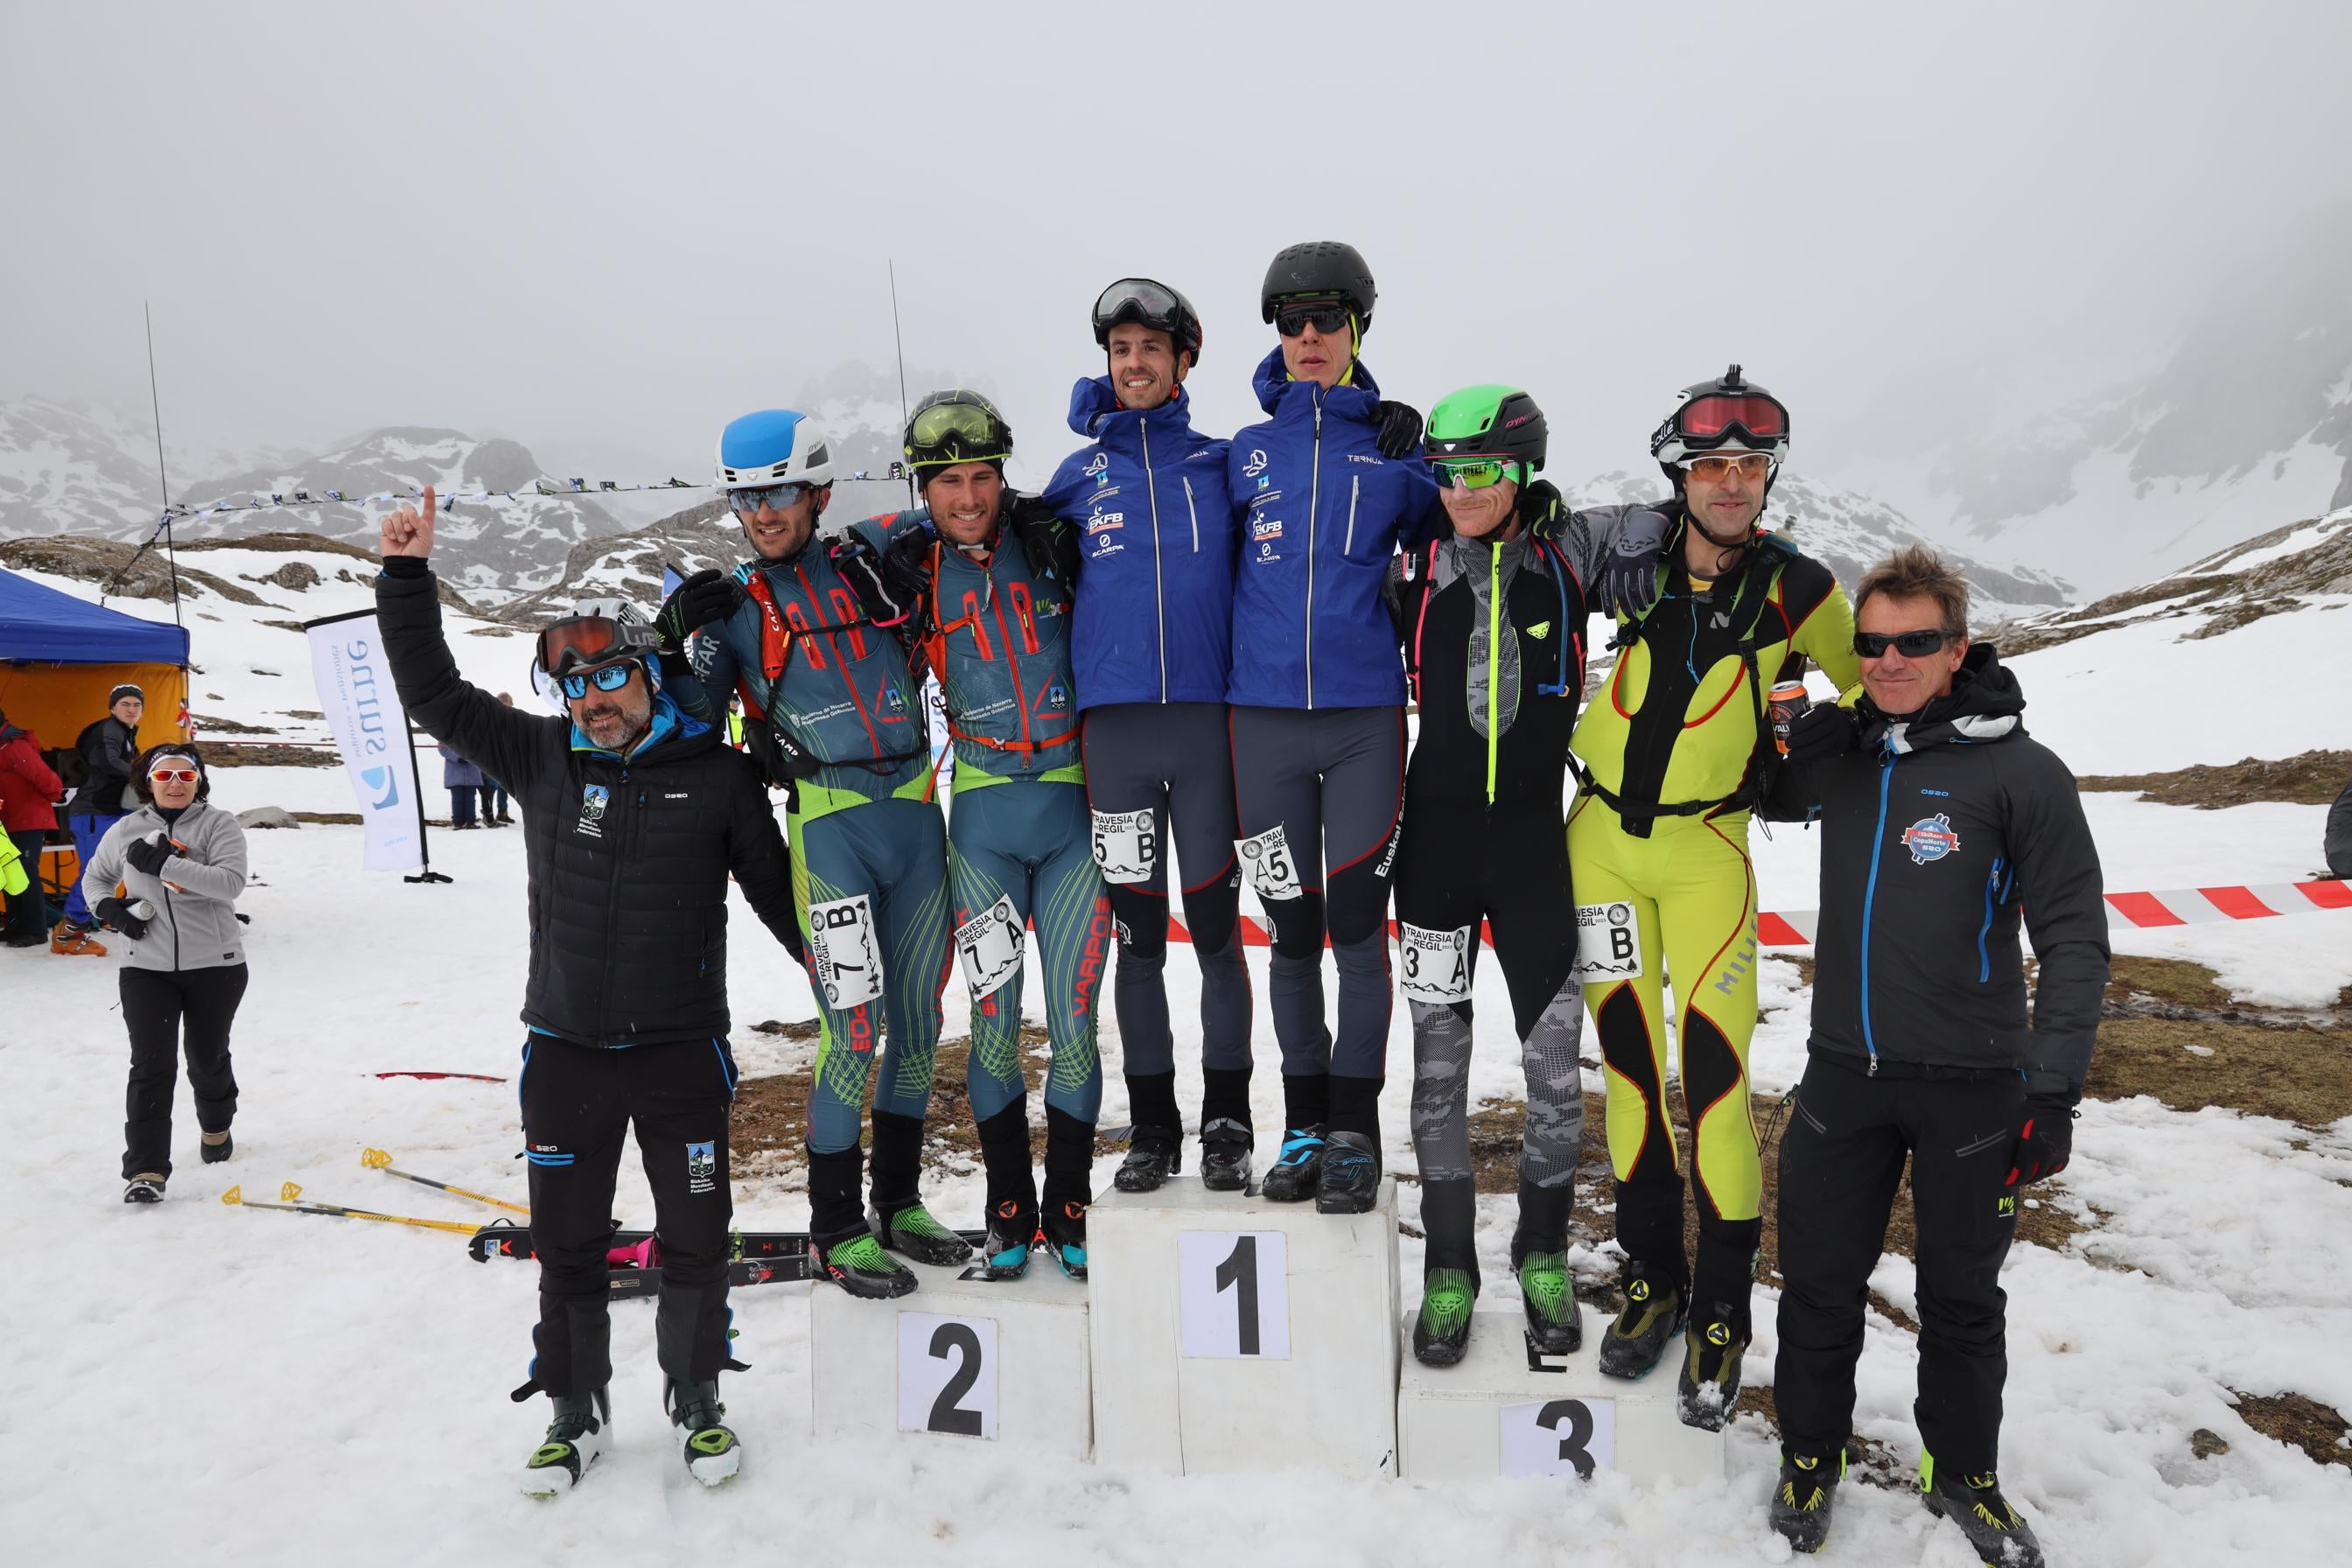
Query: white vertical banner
364,715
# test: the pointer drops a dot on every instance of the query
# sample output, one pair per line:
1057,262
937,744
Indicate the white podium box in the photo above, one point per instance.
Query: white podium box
1502,1411
963,1358
1234,1335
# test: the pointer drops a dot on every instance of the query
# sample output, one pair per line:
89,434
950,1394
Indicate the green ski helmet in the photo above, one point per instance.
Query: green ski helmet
1500,425
956,427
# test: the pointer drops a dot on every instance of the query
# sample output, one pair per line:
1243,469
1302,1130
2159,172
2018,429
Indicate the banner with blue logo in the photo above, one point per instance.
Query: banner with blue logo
364,715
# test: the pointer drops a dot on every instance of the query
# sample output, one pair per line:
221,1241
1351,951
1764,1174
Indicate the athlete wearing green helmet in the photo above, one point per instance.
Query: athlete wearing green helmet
1492,622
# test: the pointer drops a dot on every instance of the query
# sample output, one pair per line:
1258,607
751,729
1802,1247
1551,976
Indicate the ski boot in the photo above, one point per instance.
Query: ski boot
1653,1315
217,1146
574,1438
859,1265
146,1188
1298,1169
1441,1332
912,1230
1012,1232
1707,1390
75,942
1351,1178
712,1454
1226,1155
1801,1507
1547,1293
1065,1233
1993,1526
1153,1155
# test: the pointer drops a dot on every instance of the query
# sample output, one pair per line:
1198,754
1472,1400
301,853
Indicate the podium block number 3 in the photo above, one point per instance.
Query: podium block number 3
1560,1437
947,1375
1234,1291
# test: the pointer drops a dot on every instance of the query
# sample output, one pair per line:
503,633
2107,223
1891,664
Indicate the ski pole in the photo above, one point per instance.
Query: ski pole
381,1160
236,1198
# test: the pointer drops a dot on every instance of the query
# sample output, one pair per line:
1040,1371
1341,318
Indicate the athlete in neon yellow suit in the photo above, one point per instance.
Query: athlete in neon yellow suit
1672,752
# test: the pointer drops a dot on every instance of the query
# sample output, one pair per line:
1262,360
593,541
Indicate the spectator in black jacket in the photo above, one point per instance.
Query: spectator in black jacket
1942,823
2338,844
110,755
634,816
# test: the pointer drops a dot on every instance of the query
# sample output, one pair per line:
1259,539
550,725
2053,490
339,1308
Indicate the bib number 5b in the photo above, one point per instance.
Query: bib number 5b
1127,845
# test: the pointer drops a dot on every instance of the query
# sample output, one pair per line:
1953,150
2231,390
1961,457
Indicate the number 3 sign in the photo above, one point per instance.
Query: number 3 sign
947,1375
1234,1292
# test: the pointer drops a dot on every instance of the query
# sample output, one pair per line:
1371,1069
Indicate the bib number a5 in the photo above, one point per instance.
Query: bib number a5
1266,857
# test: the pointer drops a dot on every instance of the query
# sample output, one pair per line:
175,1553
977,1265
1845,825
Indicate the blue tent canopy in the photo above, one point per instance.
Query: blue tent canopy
39,623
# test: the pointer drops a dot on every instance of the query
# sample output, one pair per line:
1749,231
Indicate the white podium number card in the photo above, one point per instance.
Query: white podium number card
947,1375
1234,1293
1560,1437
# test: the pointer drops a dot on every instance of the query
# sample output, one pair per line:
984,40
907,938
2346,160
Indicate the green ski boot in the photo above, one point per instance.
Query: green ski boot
1441,1333
913,1231
1548,1291
859,1266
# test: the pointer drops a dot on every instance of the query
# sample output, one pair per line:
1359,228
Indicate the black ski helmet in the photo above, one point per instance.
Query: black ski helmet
1149,304
1728,414
1321,269
955,426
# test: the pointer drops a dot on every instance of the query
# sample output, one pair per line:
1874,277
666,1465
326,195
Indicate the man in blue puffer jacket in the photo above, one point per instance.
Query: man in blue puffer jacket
1318,692
1152,535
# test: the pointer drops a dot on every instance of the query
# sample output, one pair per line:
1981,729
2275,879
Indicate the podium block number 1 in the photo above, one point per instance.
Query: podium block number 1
1234,1292
1560,1437
947,1375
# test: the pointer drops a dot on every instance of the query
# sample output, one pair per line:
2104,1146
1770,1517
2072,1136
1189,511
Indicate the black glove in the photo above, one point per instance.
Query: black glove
708,595
1399,429
860,564
150,852
117,913
1049,543
1629,578
1540,508
2045,1139
1822,731
906,569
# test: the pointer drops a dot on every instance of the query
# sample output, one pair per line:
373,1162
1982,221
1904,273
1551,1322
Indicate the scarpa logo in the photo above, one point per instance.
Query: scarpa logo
386,781
1257,464
1099,466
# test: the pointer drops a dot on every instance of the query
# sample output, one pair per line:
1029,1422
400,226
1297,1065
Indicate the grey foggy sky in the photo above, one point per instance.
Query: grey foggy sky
607,229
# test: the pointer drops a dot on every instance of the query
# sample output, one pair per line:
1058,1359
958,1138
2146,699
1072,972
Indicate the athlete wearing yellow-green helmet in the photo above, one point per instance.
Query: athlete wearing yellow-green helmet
1671,753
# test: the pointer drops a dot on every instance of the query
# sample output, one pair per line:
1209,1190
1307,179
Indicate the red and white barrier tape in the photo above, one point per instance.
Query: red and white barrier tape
2177,907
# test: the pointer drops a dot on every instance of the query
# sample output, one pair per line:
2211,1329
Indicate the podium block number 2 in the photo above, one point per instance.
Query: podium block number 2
1560,1437
1234,1292
947,1375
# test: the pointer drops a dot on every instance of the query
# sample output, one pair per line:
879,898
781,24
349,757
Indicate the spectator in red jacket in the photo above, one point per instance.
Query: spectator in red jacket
30,791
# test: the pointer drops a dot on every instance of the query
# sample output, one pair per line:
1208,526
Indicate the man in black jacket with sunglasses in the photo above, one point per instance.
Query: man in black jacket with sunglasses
1944,825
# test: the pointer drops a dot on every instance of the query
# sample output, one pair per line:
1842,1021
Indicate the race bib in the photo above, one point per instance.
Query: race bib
990,945
842,952
1127,844
1436,963
1608,943
1266,856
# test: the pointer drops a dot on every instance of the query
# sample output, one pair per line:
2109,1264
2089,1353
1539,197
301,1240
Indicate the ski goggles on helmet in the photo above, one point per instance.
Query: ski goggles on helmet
1472,473
1143,303
1714,418
1910,645
585,641
1326,316
1718,466
776,497
607,678
948,433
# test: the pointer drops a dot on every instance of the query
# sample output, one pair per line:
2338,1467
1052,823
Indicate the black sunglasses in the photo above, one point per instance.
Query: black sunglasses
1910,645
1325,316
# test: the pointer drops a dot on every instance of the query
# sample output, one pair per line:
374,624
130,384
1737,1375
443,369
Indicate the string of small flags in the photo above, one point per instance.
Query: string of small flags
450,500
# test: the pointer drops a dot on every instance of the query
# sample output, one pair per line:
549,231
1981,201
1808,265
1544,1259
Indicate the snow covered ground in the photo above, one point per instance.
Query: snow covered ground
212,1385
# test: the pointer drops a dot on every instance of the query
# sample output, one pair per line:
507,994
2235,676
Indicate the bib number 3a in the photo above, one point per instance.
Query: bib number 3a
1127,845
842,952
1435,964
989,945
1608,942
1266,857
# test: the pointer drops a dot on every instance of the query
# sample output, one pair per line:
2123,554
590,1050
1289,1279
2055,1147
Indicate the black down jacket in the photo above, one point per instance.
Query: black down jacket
628,857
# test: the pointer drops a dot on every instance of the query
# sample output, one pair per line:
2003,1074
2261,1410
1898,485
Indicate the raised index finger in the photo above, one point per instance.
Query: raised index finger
430,505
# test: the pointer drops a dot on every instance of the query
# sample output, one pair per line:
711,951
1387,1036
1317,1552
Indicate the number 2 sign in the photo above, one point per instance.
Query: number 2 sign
947,1375
1234,1293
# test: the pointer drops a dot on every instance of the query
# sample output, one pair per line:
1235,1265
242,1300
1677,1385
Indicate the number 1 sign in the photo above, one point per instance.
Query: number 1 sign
1234,1293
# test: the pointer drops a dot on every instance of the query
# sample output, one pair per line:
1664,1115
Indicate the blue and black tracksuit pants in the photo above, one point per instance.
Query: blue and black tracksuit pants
578,1105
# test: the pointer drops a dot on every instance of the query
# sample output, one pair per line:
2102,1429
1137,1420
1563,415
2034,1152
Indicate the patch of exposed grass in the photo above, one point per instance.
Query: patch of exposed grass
2298,1422
2313,778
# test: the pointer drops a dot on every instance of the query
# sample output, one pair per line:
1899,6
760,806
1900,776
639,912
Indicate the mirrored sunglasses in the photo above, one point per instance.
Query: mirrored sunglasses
608,677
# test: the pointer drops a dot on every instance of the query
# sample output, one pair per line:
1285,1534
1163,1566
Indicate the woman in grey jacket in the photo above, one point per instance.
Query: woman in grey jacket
180,862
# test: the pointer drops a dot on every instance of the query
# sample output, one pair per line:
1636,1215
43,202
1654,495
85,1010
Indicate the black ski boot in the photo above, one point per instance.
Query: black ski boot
1012,1232
1653,1315
712,1454
1708,1390
146,1188
1064,1230
582,1426
1992,1524
1441,1332
217,1146
1298,1170
1801,1505
1547,1295
1011,1193
1226,1155
898,1216
1350,1179
1069,1189
841,1247
1153,1155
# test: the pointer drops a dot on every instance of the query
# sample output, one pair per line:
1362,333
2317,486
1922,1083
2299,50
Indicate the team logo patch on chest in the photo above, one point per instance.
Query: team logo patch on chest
1930,838
593,800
